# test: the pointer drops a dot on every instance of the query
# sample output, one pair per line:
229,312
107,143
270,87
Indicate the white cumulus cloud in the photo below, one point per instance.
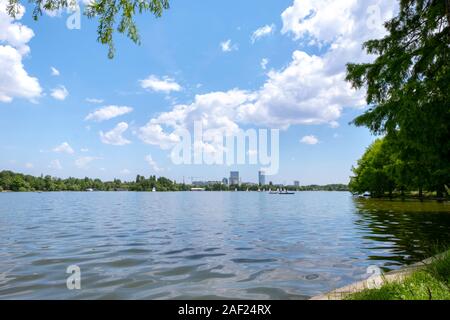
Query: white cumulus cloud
15,82
216,111
304,92
64,148
227,46
54,71
83,162
343,25
55,164
153,133
108,112
94,100
114,137
311,140
59,93
264,62
165,84
152,163
262,32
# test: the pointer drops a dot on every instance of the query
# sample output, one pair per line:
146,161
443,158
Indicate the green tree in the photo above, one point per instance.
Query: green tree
373,172
112,15
408,89
19,184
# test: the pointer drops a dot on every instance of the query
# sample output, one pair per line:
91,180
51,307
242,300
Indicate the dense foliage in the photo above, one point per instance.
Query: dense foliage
112,15
20,182
381,171
10,181
408,91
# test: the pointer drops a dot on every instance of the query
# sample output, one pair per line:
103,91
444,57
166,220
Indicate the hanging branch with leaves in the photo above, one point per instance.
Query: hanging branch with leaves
112,15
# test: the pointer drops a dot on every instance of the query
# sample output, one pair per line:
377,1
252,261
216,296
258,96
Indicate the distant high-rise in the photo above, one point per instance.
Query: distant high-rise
234,178
261,178
225,181
296,183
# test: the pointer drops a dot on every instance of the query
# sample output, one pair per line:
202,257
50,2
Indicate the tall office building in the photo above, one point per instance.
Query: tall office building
261,178
296,183
225,181
234,178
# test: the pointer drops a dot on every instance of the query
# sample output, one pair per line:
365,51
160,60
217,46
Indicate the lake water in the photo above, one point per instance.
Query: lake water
206,245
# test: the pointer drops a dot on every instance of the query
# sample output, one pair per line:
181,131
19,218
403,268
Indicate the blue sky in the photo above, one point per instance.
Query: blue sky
204,58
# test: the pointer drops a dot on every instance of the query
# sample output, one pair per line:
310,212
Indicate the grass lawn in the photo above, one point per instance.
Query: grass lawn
429,283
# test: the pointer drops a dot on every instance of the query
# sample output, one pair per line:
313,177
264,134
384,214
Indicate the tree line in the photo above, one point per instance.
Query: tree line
18,182
11,181
408,94
383,171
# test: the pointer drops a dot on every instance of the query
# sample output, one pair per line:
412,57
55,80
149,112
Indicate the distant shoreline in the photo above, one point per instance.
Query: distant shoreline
18,182
426,197
193,191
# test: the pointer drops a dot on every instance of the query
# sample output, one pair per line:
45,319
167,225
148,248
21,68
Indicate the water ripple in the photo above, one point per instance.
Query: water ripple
216,245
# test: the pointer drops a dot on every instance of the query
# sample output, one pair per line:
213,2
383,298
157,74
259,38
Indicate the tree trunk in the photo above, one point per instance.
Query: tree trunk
420,192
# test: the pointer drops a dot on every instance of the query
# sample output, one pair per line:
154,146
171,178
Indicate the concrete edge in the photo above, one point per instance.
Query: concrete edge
374,281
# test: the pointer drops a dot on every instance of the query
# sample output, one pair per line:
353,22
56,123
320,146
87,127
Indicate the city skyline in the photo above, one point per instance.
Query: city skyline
234,179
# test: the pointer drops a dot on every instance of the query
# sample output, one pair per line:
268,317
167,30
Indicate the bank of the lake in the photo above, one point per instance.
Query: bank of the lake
426,196
425,280
429,280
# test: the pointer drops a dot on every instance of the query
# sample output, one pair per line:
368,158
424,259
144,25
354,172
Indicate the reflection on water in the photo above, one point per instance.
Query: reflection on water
411,230
206,245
